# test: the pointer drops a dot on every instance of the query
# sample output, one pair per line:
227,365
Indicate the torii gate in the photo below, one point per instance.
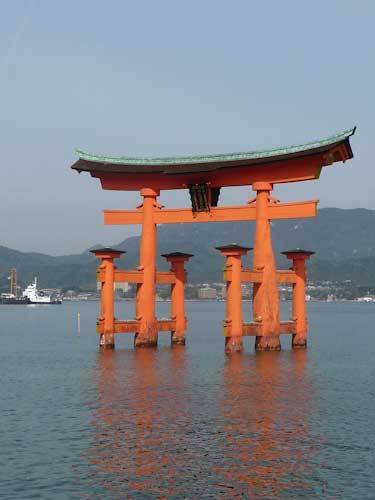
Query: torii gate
203,176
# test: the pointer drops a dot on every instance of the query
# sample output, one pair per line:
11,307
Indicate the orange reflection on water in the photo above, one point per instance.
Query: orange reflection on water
139,438
163,429
265,406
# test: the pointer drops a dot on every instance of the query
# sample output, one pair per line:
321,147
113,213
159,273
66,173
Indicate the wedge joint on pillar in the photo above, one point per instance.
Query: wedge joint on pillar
106,320
298,256
233,323
177,261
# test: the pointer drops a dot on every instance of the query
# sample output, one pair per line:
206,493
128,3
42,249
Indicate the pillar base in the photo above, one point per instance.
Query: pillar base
233,344
144,342
178,340
106,347
300,343
147,336
265,343
106,343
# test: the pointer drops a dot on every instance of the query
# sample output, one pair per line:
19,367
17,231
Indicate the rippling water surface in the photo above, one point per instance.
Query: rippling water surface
186,423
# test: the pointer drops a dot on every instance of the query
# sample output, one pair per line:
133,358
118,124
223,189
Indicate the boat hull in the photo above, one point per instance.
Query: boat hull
52,303
19,301
24,301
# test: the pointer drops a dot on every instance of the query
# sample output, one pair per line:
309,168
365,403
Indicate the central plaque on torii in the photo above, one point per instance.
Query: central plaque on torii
203,177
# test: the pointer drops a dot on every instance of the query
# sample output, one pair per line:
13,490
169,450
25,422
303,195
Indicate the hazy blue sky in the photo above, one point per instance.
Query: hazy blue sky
167,76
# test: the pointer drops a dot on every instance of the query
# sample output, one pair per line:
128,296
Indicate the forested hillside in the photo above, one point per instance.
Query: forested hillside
344,241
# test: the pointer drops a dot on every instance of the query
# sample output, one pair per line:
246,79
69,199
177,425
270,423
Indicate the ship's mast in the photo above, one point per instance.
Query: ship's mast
13,281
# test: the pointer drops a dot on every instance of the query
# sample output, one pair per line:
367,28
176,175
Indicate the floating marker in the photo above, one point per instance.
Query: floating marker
78,324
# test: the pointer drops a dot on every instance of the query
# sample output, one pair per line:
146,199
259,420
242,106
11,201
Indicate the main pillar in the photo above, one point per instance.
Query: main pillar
265,294
107,316
147,336
177,260
298,257
232,272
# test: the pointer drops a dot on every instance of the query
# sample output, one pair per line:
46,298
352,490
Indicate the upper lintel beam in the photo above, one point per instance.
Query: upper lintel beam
296,210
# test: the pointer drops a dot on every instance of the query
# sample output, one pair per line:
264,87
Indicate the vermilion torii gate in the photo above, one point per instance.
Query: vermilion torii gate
204,176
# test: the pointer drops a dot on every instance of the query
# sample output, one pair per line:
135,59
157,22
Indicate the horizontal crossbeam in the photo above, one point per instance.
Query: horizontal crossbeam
132,326
136,276
286,276
168,325
298,210
251,276
131,276
288,327
255,329
165,277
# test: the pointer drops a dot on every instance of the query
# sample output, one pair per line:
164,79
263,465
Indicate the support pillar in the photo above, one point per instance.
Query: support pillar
265,294
147,336
233,323
298,257
177,260
107,317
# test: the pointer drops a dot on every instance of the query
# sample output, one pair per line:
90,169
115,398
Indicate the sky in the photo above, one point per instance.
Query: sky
169,77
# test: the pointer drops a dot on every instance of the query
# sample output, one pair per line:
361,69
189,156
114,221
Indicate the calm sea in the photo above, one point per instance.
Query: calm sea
185,423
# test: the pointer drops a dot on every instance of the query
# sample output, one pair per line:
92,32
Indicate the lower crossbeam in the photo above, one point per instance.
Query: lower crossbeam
255,329
132,326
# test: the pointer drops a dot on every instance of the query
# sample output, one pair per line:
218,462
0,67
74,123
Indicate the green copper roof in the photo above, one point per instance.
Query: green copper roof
250,155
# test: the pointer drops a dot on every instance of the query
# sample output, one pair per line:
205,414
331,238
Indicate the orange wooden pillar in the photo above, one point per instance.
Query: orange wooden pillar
147,336
298,257
265,294
107,316
177,260
232,274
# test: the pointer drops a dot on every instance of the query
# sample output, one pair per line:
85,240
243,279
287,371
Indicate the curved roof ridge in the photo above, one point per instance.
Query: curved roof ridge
207,158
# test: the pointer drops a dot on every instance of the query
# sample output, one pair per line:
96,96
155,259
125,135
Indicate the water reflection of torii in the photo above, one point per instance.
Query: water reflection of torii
137,443
150,437
265,418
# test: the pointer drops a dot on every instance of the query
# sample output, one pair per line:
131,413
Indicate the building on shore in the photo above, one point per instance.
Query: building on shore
124,287
207,293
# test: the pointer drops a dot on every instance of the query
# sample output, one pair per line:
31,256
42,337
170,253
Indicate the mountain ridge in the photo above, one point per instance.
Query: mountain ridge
343,239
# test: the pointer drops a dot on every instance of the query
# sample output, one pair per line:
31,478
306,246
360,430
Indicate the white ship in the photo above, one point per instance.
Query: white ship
35,296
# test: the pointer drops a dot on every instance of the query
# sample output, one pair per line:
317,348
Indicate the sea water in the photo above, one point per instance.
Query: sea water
185,423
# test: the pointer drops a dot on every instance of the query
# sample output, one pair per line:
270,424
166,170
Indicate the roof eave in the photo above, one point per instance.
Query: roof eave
89,163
